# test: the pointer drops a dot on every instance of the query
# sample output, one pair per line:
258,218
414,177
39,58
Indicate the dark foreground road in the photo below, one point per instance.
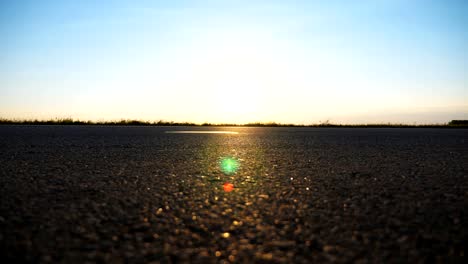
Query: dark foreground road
137,194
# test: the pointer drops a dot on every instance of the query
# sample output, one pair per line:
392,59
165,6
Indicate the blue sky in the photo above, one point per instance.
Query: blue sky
235,61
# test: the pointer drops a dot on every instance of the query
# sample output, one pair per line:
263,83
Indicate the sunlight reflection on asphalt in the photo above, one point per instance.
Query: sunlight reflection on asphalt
200,132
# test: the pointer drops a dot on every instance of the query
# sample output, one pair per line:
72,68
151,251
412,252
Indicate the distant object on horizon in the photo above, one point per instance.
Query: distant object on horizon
458,123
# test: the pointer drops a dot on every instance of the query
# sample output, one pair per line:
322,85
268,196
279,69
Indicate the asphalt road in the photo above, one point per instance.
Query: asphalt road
75,194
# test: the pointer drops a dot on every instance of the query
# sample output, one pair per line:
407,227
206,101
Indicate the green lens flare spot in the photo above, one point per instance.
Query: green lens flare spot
229,165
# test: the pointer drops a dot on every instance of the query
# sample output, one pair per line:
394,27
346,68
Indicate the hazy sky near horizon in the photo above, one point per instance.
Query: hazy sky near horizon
235,61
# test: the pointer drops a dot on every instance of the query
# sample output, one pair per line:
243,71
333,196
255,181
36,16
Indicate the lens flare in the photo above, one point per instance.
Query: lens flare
228,187
229,165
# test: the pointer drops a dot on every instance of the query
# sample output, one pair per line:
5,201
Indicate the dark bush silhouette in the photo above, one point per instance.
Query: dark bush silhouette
458,123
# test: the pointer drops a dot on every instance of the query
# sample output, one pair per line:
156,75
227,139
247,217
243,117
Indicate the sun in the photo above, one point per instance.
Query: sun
229,75
236,98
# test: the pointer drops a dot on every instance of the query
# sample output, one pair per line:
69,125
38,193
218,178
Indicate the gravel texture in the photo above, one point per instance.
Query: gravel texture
77,194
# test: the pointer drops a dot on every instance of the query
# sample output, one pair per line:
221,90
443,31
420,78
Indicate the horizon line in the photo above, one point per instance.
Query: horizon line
139,122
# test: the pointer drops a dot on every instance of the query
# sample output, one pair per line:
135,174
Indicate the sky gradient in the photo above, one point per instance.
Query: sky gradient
368,61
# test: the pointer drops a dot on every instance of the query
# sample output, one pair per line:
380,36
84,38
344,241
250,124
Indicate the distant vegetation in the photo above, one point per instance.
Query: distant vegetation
458,123
71,121
132,122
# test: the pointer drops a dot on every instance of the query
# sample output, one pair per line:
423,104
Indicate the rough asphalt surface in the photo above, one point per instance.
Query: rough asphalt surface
78,194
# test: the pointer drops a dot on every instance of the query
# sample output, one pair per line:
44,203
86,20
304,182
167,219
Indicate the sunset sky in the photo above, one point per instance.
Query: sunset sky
368,61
